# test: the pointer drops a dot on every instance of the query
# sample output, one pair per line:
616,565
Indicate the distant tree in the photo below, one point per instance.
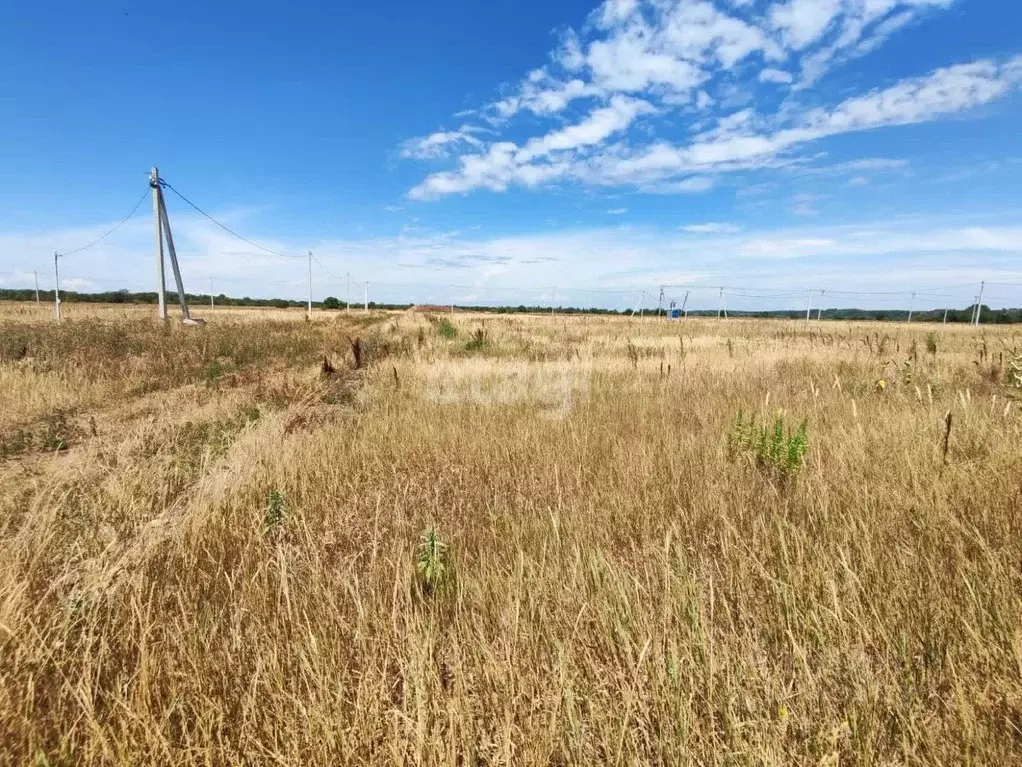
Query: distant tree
331,303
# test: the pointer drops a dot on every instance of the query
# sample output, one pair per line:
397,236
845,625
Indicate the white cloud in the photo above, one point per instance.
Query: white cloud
801,22
509,269
858,181
639,65
713,227
439,144
617,211
771,75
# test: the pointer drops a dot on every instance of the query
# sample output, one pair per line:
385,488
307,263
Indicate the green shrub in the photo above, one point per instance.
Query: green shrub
774,445
446,330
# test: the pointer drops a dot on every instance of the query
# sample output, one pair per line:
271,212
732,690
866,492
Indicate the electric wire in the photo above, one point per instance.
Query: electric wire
116,227
167,184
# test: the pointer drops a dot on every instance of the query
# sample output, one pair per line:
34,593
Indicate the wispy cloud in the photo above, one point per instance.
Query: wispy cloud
608,93
712,227
512,269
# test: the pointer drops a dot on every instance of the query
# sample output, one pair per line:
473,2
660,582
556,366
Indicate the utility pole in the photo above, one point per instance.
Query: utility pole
347,297
365,297
182,299
660,303
945,315
161,283
979,302
211,306
309,313
36,288
553,300
819,312
720,303
56,286
809,305
684,303
911,306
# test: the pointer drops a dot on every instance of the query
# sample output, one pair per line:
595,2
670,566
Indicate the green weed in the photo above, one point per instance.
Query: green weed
774,445
433,565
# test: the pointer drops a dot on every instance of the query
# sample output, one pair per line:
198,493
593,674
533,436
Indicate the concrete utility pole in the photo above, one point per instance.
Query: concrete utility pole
36,288
660,302
684,303
809,305
553,300
911,306
211,306
979,302
161,283
720,303
56,286
819,312
347,297
309,313
185,316
945,315
365,297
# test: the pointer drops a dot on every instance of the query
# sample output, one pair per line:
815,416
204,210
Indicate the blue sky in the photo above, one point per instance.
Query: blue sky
493,152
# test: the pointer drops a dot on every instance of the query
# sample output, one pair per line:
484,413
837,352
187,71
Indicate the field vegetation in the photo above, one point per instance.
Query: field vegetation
507,540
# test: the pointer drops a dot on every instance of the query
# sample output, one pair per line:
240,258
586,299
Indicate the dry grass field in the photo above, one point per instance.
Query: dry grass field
507,540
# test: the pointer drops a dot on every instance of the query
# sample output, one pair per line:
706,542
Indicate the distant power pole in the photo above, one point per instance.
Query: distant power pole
211,306
684,303
36,288
56,286
309,314
819,312
809,305
979,302
720,303
911,306
553,300
365,297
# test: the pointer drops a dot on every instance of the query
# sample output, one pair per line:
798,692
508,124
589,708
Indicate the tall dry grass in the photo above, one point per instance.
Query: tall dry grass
623,588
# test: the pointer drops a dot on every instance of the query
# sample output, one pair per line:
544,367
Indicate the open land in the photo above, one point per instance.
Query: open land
507,540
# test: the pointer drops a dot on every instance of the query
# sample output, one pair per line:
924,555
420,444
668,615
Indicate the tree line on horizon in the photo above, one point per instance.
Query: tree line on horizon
988,315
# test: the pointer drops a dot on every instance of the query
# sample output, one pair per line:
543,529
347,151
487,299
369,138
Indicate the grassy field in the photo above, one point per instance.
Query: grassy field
507,540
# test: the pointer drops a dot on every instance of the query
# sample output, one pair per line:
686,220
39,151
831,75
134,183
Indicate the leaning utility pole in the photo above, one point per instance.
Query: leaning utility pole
979,302
161,282
211,306
56,286
36,288
309,313
911,306
185,316
163,231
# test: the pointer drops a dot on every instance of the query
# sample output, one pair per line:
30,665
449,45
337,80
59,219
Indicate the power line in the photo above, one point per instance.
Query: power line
118,226
230,231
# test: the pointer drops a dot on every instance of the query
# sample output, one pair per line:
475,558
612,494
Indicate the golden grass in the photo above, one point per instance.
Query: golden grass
624,590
